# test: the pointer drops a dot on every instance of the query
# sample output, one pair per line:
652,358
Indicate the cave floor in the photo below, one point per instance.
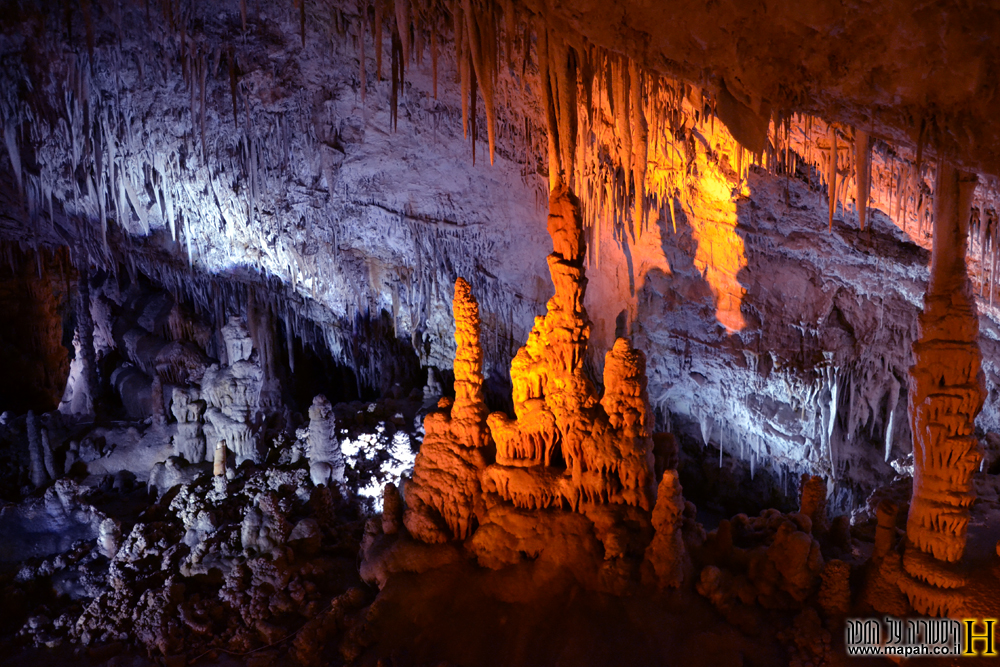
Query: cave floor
522,616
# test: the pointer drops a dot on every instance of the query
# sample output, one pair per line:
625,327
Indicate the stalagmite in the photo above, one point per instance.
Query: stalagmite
946,394
219,459
608,453
326,460
813,502
639,148
444,497
188,410
666,552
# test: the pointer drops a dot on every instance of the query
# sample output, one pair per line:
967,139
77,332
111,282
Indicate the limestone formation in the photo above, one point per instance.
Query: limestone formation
835,590
604,446
572,479
666,553
946,395
445,496
813,502
326,461
219,459
189,440
109,537
233,394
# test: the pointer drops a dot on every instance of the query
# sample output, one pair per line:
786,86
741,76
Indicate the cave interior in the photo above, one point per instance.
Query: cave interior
498,332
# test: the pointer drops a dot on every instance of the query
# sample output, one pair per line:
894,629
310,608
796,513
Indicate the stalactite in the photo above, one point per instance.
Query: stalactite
482,47
619,90
434,60
232,86
639,149
473,104
379,19
302,20
362,64
832,175
402,12
564,85
397,78
995,237
204,74
88,20
463,59
548,104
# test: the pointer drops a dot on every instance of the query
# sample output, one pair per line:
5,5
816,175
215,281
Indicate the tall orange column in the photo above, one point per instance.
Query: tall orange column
946,394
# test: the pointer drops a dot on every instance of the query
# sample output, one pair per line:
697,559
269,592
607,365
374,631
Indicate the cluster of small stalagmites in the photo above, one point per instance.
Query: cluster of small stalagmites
82,571
445,493
566,448
807,641
946,395
273,537
606,444
776,561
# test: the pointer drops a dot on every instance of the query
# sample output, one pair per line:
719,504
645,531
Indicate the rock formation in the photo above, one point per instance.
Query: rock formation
813,502
326,461
444,498
946,395
39,476
761,266
232,393
604,447
188,410
572,476
666,554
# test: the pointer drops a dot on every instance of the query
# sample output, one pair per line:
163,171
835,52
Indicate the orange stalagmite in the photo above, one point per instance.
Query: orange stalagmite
444,496
946,394
605,445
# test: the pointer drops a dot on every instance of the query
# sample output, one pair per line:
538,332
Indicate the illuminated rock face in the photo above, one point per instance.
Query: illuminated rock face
605,444
946,394
444,494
